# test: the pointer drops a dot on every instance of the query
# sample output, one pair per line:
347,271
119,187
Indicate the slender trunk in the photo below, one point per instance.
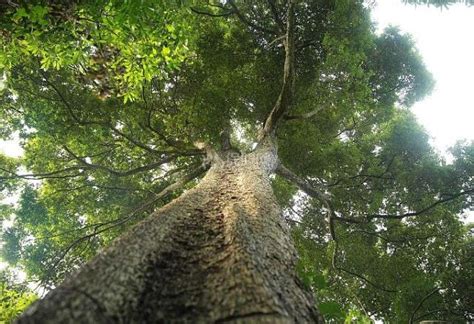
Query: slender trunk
221,252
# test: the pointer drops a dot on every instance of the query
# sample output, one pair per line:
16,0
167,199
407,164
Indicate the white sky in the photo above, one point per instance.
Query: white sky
445,39
11,148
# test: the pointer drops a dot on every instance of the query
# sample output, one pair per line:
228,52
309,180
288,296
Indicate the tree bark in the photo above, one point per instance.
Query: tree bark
220,253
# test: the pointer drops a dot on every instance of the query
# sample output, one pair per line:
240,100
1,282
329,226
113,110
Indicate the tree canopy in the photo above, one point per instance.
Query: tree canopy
110,98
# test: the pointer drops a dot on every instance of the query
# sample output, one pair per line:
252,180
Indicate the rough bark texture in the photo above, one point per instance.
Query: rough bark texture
219,253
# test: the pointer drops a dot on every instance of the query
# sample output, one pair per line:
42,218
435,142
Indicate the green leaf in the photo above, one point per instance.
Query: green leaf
165,51
20,13
331,310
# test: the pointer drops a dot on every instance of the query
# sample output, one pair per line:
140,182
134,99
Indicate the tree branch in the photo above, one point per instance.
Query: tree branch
210,14
405,238
369,218
335,266
134,141
432,312
39,176
367,176
102,227
116,173
300,183
286,94
276,16
105,124
423,210
310,191
421,303
247,21
178,145
66,104
349,220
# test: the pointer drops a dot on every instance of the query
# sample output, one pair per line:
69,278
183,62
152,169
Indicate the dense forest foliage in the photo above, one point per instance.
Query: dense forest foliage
109,98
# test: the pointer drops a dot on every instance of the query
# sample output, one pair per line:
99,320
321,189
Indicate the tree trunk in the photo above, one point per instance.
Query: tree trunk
221,252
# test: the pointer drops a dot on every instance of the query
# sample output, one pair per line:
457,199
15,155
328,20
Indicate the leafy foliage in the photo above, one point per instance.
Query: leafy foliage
14,298
94,38
109,97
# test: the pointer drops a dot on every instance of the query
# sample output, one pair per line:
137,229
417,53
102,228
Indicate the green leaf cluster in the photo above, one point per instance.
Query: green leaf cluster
14,298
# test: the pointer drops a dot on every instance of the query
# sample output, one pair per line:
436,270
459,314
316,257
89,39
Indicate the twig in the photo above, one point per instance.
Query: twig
335,266
423,210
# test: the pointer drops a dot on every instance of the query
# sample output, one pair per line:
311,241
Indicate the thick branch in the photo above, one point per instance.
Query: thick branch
300,183
304,116
286,94
134,141
312,192
226,144
182,181
211,14
349,220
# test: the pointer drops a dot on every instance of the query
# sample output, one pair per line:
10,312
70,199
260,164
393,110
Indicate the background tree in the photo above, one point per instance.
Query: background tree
121,107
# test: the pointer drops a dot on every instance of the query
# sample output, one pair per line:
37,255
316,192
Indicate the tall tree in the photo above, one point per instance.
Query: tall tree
155,131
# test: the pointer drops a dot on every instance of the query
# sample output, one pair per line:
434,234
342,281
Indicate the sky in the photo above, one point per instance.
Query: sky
445,40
